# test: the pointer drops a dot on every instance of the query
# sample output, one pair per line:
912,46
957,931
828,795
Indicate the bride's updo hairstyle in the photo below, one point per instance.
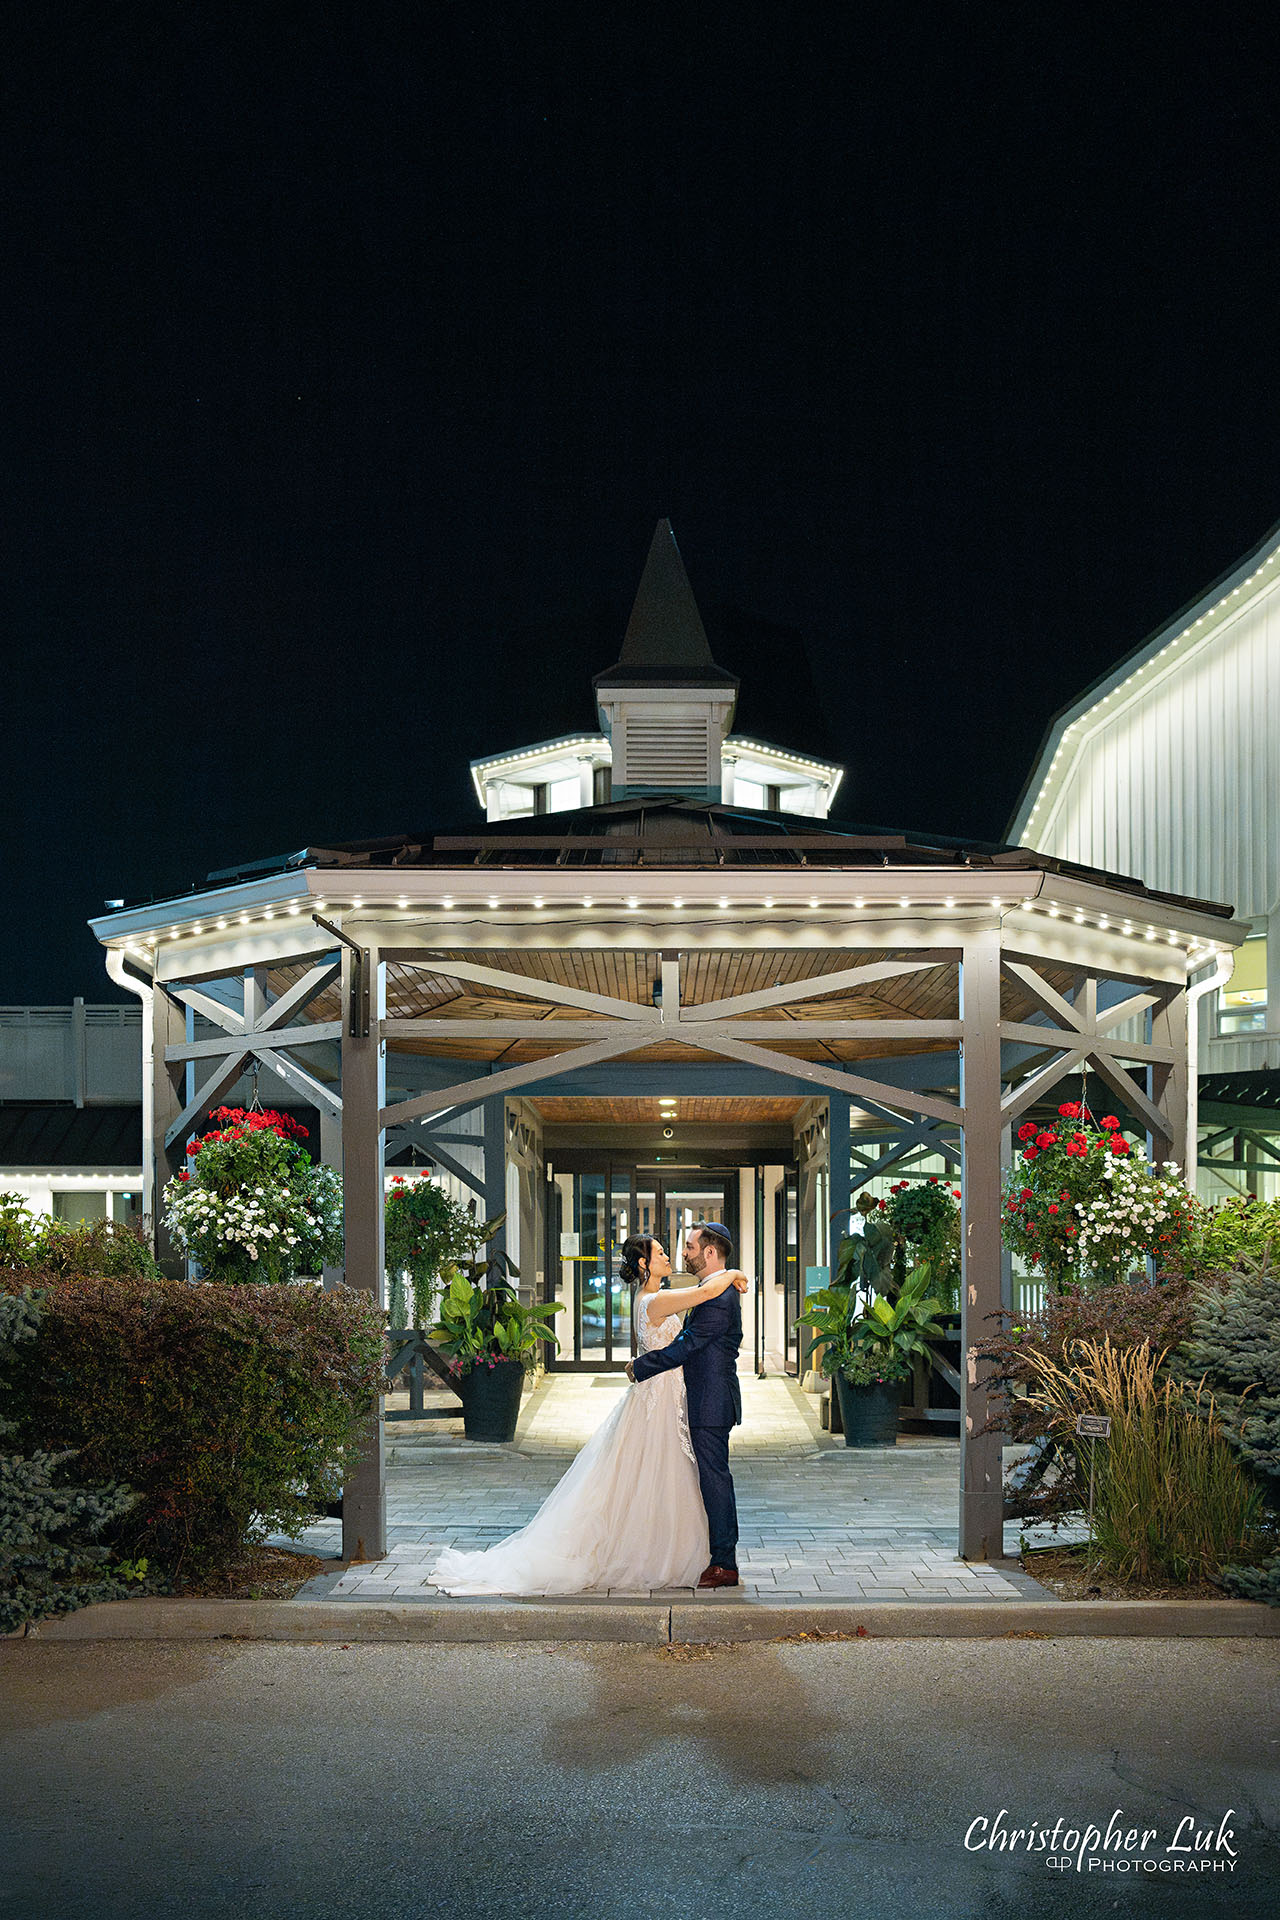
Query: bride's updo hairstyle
633,1265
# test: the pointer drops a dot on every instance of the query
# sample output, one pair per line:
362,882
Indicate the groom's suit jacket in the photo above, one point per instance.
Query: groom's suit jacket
707,1349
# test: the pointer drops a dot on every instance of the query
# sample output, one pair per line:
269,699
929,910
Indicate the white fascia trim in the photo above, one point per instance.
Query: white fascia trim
1196,625
582,745
76,1179
162,917
826,770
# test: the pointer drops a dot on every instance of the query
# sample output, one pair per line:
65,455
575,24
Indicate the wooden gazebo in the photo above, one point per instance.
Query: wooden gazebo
942,988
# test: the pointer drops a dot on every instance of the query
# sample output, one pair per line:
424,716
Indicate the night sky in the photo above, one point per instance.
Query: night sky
351,355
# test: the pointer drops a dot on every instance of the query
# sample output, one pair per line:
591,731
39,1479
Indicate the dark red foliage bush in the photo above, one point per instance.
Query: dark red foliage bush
228,1409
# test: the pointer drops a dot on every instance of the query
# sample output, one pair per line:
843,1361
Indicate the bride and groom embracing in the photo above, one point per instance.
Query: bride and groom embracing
649,1500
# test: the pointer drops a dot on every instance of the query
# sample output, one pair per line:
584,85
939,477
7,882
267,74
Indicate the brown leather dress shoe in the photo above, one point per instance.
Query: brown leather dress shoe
719,1577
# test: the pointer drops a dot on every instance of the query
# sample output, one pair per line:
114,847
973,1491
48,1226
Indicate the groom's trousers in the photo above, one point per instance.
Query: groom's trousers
711,1451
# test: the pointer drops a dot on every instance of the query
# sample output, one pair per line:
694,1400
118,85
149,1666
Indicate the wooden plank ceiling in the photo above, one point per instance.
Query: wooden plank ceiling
728,1110
629,975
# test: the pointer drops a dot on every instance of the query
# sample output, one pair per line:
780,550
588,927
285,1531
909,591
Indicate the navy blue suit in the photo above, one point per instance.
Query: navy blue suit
707,1349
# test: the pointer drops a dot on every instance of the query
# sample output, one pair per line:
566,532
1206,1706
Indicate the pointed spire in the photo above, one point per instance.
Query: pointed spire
665,643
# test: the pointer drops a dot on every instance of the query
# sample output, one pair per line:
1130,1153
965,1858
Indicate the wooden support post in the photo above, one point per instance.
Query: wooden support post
168,1029
495,1165
330,1155
1167,1085
981,1493
841,1160
364,1497
1006,1258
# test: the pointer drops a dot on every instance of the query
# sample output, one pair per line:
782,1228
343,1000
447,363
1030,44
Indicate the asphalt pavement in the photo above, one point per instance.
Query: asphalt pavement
771,1779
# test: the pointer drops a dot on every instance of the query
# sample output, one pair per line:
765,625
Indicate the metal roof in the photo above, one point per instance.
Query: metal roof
666,830
34,1135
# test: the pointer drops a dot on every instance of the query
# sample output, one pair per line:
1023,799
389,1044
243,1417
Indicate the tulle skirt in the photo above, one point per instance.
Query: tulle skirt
626,1514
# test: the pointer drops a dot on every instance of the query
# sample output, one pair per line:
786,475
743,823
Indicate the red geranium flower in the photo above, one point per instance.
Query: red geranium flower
1053,1209
1070,1111
1029,1153
1028,1192
1046,1139
183,1174
1118,1145
1109,1120
1027,1131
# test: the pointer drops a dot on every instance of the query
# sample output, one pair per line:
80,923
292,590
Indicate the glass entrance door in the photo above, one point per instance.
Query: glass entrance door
593,1213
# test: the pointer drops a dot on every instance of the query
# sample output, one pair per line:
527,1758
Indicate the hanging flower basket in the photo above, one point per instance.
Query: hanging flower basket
1081,1203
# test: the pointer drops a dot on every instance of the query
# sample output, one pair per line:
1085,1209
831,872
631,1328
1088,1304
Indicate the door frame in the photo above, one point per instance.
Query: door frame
630,1172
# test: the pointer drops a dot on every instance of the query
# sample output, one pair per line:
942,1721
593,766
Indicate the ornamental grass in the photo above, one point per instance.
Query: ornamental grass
1171,1501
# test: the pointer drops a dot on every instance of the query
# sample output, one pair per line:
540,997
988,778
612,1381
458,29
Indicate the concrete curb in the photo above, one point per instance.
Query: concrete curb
980,1620
654,1623
346,1620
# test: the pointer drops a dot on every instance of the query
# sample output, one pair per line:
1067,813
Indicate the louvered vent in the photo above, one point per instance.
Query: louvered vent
667,753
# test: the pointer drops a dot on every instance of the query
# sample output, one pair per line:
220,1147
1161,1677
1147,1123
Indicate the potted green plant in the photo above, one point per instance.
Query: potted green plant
867,1350
489,1339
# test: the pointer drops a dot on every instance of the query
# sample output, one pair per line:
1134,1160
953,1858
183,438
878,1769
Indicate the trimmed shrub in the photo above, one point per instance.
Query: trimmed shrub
1234,1230
230,1410
83,1249
51,1560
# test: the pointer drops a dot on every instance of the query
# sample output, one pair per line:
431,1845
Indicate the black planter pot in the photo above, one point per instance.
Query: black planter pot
491,1400
869,1414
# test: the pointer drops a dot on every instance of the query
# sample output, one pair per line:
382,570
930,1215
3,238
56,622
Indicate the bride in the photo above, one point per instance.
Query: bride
628,1512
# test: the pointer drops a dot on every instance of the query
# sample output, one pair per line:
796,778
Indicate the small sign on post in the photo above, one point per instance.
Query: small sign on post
1093,1427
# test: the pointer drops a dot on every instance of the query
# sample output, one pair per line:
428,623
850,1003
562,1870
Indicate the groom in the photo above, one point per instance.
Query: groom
708,1352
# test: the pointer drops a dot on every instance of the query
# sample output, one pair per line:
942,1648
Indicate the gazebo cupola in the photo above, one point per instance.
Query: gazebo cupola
666,706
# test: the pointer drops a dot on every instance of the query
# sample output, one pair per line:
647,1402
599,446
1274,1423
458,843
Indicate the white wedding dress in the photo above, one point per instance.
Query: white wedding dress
627,1513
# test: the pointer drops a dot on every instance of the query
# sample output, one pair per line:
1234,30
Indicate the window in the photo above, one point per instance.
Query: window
1242,1003
79,1206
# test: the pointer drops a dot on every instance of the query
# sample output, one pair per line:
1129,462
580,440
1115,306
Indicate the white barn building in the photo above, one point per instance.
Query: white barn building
1168,768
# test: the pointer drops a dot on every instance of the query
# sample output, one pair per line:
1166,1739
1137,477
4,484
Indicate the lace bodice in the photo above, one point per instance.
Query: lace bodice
649,1336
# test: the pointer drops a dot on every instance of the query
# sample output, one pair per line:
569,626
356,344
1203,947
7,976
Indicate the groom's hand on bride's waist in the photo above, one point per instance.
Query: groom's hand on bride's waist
631,1373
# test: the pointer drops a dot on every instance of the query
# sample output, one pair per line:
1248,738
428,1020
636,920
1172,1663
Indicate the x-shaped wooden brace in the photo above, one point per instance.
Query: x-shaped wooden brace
1080,1038
707,1028
261,1032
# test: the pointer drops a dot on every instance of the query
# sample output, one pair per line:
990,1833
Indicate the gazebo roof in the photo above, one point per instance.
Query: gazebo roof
669,831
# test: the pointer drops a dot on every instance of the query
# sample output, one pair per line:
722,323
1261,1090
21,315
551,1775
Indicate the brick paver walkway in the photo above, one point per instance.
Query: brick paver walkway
818,1520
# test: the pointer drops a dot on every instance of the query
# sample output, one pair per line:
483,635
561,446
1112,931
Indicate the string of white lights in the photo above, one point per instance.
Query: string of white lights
877,911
